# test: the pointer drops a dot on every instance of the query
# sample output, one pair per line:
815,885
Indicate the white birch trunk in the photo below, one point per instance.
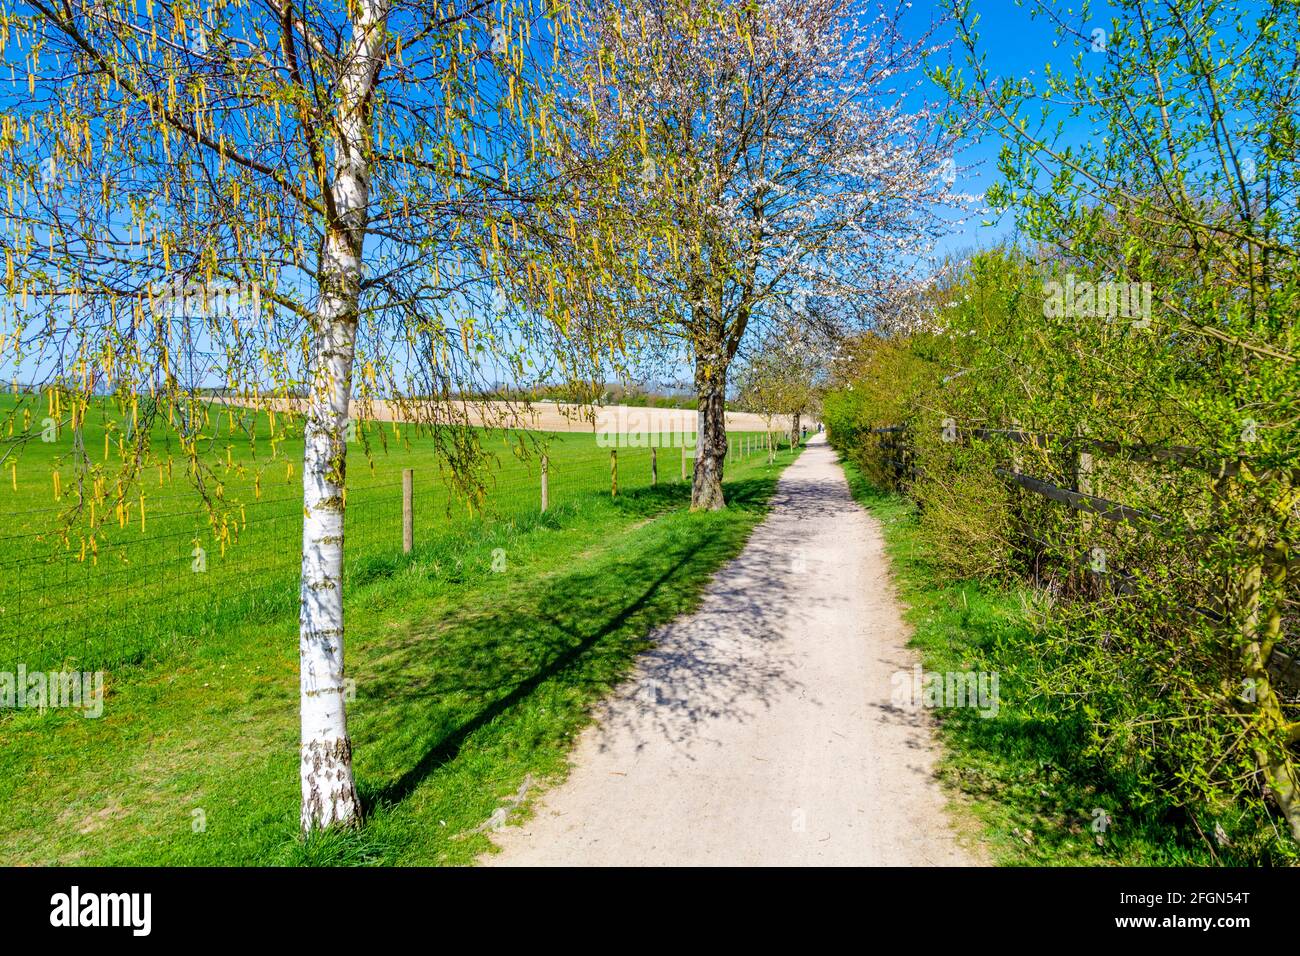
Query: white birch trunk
329,795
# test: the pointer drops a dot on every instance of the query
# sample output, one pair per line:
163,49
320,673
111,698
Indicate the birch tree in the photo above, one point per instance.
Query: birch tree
765,152
345,177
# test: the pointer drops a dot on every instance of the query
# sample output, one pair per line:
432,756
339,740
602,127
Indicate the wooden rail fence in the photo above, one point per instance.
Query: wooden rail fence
1240,601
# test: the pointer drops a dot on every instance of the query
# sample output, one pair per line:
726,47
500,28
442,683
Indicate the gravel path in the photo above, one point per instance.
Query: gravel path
760,729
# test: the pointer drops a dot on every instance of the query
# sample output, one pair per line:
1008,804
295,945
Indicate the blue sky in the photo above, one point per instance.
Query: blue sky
1014,43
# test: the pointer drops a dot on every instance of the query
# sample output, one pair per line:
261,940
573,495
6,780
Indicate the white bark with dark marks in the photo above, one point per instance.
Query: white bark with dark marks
329,795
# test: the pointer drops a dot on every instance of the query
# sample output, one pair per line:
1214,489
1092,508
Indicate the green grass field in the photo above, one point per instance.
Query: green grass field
156,575
468,678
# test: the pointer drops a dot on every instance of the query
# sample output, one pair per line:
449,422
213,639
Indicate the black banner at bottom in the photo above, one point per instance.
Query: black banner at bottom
292,906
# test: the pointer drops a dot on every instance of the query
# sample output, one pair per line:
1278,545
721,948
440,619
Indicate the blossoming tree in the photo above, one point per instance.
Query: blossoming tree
772,156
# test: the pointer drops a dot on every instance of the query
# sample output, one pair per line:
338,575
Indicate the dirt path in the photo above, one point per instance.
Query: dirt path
760,729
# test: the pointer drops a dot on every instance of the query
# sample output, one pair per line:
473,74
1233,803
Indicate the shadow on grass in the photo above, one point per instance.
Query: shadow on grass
568,637
744,494
1055,797
561,638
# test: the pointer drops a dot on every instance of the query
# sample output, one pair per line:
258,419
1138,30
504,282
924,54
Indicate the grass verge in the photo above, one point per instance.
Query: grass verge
477,659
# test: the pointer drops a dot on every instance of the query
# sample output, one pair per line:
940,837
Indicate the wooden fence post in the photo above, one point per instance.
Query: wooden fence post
1258,627
1083,485
683,460
654,466
1028,543
613,472
909,456
408,510
546,496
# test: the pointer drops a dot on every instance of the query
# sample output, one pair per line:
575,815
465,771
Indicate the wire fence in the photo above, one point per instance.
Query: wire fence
160,578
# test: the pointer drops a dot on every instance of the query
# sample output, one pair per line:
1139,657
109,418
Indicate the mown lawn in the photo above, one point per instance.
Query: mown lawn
468,680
